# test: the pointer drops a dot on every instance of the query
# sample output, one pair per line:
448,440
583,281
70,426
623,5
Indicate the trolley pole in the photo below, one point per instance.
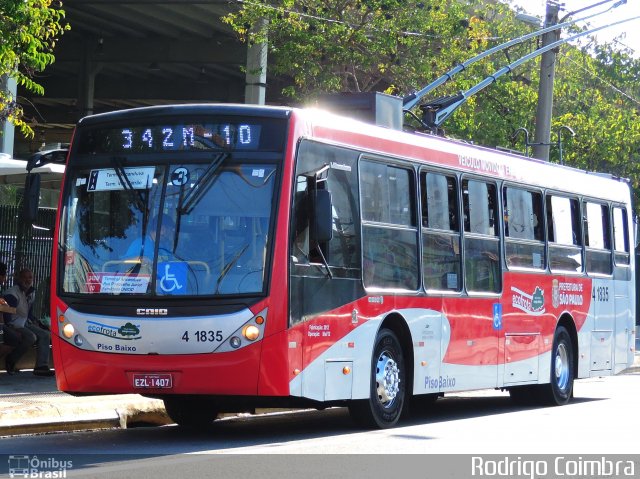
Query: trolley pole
542,136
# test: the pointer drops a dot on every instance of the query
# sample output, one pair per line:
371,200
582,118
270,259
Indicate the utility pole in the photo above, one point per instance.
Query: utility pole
542,136
10,87
255,90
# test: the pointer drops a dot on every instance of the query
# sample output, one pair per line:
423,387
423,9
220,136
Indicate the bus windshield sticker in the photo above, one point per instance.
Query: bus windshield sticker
339,166
141,178
171,277
117,283
180,176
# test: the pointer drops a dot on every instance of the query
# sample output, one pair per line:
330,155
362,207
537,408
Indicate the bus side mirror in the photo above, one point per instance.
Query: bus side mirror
31,198
322,217
42,158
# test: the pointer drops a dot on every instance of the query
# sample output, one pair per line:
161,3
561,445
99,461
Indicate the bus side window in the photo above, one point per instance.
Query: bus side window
596,238
390,233
523,228
342,251
300,249
440,232
565,237
621,236
482,242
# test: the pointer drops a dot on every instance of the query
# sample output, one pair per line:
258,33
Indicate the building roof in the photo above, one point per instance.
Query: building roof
143,52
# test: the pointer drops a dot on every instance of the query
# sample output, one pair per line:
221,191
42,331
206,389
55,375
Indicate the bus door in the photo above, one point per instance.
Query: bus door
599,266
325,272
623,320
524,297
622,284
477,342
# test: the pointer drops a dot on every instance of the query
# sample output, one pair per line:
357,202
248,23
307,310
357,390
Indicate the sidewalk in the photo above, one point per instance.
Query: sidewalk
30,404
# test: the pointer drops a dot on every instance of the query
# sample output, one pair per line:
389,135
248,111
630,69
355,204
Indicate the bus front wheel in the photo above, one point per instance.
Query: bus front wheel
190,412
560,389
387,390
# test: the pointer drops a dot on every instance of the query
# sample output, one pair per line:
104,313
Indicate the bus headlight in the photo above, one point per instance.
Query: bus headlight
68,330
78,340
251,332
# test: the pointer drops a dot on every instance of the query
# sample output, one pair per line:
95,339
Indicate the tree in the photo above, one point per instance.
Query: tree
361,45
29,30
598,93
396,46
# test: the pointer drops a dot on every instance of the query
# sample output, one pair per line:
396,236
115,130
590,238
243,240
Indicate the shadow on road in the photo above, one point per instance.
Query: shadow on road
93,448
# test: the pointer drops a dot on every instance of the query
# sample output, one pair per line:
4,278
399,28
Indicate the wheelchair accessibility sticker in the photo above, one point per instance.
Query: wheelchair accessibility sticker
171,278
497,316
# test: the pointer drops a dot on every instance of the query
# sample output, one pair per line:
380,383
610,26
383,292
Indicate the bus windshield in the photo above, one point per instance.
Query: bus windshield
173,229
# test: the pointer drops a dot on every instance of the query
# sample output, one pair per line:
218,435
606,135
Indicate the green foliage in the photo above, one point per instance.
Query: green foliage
397,46
29,30
9,195
360,45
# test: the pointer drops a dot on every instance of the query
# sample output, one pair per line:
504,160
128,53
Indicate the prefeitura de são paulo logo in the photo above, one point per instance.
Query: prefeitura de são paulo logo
38,467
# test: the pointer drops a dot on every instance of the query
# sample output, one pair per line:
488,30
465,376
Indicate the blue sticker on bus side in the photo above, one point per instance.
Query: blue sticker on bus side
497,316
171,278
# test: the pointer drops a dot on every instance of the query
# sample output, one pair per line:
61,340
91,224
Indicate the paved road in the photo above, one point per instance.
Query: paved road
603,419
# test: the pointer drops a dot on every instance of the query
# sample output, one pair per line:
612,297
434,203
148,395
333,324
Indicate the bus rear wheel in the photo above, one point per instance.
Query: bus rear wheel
560,388
191,412
386,399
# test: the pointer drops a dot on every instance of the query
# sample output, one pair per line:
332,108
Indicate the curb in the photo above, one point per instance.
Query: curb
66,418
150,412
631,370
635,367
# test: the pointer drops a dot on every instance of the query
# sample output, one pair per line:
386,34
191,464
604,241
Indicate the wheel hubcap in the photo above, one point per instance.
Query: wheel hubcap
562,367
387,379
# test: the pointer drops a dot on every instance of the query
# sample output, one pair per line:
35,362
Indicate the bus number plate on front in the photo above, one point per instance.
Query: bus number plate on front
152,381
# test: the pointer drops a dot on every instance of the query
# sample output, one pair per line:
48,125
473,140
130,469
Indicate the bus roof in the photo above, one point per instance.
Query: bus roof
429,149
461,156
186,109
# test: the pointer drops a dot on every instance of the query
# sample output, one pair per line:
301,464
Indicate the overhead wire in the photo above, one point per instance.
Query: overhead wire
342,22
602,80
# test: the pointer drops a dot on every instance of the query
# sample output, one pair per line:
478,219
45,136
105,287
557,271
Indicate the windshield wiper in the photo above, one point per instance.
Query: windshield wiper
229,265
202,184
126,184
176,233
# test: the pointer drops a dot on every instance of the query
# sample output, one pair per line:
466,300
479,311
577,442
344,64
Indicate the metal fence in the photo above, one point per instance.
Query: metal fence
28,246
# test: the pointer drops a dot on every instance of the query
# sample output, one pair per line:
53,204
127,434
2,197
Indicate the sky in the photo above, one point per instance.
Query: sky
628,10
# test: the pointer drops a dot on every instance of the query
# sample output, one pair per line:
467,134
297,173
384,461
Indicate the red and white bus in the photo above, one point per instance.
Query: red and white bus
228,257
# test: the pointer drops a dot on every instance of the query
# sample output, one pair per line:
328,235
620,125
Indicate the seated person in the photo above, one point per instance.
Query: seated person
24,330
8,338
16,344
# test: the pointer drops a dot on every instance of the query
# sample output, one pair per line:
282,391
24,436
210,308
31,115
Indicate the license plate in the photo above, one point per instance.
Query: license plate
152,381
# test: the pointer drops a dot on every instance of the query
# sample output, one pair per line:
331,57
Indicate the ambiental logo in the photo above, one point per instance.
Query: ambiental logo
126,331
532,304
